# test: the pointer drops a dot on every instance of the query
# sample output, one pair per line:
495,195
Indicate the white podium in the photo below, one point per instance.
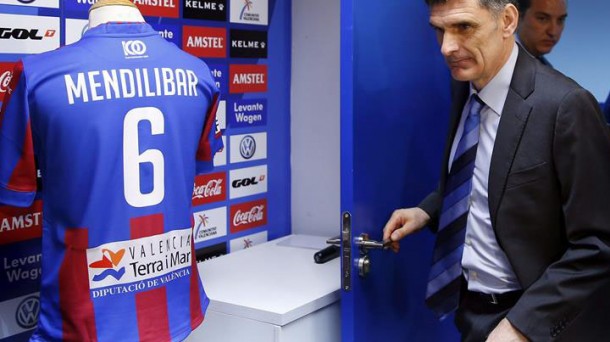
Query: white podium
273,292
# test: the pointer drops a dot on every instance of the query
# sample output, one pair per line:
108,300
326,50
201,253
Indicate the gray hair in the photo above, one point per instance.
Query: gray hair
494,6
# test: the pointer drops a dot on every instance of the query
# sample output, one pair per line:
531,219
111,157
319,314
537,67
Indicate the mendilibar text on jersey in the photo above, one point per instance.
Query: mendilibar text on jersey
98,85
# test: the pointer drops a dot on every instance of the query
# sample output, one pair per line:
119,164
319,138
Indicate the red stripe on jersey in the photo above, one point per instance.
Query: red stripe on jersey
24,175
146,226
151,308
75,302
204,153
151,305
196,314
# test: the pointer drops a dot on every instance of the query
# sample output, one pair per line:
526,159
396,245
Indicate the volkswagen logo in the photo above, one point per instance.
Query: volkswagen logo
247,147
27,312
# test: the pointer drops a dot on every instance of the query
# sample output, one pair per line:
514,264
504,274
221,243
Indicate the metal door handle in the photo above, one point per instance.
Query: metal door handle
362,263
365,244
361,241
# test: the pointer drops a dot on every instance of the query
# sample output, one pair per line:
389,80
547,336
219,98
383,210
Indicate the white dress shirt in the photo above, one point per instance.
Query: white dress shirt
484,264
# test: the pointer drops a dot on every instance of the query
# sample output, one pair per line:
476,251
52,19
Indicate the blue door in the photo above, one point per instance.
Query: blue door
394,119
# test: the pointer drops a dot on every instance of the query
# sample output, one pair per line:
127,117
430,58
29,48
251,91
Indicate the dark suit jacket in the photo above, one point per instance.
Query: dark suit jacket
549,199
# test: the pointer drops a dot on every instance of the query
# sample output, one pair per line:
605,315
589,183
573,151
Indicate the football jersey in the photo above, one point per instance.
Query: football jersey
118,124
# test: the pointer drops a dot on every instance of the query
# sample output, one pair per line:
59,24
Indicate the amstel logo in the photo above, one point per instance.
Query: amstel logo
109,262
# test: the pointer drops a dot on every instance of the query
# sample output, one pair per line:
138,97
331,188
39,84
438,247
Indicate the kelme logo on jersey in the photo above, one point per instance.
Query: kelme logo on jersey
204,41
205,9
247,113
134,49
247,78
136,265
250,12
158,8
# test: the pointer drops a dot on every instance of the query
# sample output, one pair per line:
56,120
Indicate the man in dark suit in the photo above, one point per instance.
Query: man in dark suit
522,213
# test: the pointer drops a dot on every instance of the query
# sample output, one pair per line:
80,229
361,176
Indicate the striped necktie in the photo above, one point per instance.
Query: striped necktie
444,282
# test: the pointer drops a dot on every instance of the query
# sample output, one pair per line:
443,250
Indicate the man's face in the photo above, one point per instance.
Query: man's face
541,25
474,42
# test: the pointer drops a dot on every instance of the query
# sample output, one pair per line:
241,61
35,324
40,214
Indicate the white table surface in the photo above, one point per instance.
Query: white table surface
276,282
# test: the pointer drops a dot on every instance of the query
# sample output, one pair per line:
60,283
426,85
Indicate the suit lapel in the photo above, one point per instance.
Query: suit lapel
510,130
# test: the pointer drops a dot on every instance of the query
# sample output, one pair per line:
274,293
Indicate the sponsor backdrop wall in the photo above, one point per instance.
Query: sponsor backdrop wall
245,200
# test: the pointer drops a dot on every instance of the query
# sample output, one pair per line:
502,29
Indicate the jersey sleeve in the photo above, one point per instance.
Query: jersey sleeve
211,139
17,165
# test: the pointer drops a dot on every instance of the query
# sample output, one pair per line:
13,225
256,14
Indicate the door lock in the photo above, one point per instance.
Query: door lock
363,263
364,244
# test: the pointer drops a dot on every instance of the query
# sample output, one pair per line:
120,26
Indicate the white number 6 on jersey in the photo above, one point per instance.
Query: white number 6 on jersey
132,158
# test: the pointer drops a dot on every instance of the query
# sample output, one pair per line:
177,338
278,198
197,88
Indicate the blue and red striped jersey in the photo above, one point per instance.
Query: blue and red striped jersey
118,124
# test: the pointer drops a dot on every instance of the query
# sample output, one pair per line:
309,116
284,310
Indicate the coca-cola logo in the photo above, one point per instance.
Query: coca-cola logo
209,188
5,80
248,215
212,188
256,214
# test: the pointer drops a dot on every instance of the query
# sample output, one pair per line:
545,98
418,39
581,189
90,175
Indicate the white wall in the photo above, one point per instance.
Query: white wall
315,117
